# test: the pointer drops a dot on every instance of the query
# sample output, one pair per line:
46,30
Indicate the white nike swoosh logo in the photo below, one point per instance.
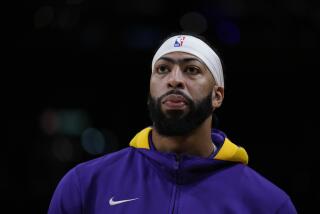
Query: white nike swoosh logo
112,202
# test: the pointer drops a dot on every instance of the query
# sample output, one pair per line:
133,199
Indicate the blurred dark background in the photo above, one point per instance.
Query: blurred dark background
77,76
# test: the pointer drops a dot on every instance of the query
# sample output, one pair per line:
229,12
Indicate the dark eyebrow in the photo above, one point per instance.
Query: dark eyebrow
187,59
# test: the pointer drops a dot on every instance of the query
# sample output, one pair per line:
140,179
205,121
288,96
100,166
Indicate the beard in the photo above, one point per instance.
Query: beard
179,122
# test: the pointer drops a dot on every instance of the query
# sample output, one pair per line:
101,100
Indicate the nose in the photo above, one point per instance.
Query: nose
175,78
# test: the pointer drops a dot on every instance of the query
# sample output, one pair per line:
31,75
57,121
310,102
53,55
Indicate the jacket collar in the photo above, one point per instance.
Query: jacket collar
226,150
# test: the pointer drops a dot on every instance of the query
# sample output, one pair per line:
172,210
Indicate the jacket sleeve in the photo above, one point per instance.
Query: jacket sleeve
67,196
287,208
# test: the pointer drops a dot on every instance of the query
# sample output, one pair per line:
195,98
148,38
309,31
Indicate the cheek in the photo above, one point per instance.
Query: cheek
201,89
154,87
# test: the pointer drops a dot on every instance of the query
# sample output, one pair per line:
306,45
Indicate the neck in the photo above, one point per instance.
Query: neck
198,142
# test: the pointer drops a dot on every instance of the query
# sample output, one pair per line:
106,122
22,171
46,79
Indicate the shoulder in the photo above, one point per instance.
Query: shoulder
251,176
259,188
106,162
71,193
250,182
101,169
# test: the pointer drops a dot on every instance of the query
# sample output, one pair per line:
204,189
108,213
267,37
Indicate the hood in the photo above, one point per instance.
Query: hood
226,150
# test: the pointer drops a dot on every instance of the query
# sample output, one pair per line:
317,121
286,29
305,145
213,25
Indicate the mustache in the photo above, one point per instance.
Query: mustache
176,92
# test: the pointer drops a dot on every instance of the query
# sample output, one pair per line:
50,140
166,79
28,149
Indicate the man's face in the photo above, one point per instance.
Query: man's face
181,94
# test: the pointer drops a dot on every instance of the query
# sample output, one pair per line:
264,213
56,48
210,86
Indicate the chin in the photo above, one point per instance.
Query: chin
175,113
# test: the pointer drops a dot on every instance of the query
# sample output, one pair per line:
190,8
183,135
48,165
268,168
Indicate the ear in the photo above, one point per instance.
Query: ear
217,96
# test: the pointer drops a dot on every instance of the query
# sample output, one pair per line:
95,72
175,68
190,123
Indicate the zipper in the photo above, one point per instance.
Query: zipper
175,188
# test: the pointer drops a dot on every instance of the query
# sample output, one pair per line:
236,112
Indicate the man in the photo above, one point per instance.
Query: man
180,164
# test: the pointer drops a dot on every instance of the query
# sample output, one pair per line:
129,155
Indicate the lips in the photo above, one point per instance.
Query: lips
174,101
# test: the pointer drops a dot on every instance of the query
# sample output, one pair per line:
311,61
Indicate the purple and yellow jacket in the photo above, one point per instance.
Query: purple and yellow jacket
141,180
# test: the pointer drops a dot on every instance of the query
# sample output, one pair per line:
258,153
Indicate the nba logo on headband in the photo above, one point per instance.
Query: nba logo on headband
179,41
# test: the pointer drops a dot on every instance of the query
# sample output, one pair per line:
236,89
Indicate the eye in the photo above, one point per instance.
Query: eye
192,70
162,69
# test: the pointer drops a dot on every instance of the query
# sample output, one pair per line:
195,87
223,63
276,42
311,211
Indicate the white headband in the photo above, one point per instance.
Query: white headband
196,47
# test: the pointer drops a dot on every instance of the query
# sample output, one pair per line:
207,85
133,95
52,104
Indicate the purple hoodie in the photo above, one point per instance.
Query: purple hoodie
139,180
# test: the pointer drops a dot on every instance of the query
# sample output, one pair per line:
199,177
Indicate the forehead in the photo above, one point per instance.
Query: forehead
177,56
